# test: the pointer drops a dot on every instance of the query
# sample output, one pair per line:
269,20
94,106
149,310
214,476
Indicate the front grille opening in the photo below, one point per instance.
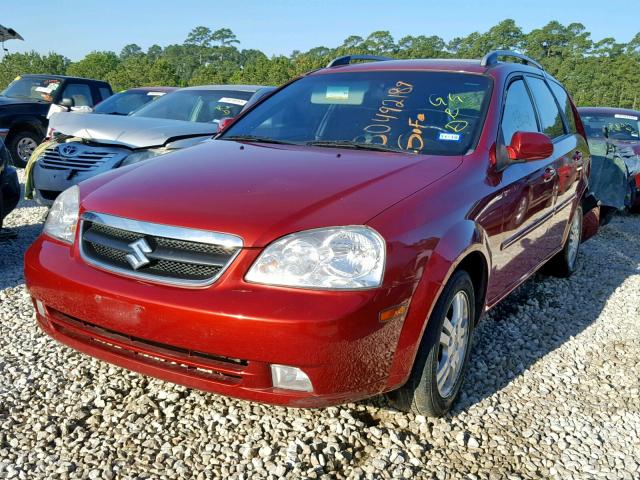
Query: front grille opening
170,259
84,161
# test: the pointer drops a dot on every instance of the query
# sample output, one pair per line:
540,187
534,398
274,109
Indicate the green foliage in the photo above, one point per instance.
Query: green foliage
96,65
15,64
605,72
130,50
140,71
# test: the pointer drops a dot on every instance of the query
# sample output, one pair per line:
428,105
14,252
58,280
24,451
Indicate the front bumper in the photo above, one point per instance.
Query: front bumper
221,338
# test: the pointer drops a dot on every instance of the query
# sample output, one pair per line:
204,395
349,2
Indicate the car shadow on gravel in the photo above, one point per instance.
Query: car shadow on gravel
545,312
12,254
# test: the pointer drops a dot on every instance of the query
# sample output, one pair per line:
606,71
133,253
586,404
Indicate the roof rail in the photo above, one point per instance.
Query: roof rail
491,58
346,60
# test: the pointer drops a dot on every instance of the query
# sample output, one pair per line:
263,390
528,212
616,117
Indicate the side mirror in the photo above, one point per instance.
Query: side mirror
529,146
224,123
605,132
68,103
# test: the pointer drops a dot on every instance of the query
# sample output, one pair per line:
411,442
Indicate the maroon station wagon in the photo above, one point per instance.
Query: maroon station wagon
338,240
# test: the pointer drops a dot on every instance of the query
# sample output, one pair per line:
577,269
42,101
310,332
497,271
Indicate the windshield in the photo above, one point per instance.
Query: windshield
406,111
206,106
620,126
124,103
36,88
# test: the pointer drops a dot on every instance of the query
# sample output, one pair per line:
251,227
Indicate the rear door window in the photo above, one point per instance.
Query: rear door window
550,117
565,105
518,114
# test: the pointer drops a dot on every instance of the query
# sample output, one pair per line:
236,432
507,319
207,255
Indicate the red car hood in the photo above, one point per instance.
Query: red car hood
261,192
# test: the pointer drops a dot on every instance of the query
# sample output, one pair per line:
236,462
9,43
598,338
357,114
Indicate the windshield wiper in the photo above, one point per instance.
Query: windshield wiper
256,139
354,145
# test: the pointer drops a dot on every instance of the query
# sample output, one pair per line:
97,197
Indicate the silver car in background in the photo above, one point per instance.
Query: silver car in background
86,145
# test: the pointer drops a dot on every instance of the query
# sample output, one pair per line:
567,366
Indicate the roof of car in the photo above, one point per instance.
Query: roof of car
61,77
239,88
441,64
152,89
608,110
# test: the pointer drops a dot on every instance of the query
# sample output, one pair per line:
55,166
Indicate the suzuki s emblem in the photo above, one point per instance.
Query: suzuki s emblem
138,258
68,150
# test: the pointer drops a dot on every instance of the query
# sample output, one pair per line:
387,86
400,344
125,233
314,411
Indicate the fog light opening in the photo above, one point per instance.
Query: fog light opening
290,378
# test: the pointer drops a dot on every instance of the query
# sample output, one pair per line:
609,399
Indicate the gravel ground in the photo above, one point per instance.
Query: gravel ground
552,392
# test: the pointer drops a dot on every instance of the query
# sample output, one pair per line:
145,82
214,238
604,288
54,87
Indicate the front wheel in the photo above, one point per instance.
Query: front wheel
21,145
564,263
443,354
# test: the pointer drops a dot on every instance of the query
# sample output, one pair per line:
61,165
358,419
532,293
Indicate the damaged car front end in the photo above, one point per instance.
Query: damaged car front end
87,145
614,142
67,160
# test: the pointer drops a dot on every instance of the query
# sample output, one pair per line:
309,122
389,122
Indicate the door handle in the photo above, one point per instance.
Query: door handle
548,174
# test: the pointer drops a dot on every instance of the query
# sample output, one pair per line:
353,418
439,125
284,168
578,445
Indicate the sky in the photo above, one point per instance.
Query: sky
76,27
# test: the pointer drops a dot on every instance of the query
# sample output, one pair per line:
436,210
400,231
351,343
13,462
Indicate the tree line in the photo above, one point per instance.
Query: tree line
604,73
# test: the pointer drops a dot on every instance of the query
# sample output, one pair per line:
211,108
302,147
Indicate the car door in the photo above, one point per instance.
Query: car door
574,153
79,92
528,194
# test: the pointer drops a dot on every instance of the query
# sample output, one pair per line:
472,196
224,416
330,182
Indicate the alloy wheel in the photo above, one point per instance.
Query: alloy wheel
453,344
574,240
25,148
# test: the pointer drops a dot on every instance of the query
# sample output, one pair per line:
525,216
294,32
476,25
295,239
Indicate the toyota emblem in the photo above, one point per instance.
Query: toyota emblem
68,150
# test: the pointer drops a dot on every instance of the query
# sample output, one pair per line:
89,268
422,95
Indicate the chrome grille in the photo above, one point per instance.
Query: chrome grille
173,255
85,159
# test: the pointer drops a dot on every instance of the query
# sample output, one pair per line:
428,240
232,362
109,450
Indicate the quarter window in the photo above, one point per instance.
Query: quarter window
550,117
518,115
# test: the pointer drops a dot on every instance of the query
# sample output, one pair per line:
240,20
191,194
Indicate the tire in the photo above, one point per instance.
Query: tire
21,144
423,394
606,215
563,264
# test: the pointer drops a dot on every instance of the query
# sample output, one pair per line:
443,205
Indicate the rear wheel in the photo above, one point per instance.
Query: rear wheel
606,214
564,263
21,145
443,354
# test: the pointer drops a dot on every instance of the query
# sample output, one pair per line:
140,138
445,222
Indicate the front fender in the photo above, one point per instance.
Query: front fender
455,245
39,124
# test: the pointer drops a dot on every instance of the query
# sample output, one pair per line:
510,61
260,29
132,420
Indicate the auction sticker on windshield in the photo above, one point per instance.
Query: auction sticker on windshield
233,101
626,117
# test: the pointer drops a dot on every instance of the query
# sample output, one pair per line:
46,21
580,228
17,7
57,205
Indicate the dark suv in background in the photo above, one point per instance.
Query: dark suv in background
25,102
9,189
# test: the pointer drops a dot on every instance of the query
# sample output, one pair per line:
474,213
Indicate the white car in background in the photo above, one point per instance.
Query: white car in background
86,145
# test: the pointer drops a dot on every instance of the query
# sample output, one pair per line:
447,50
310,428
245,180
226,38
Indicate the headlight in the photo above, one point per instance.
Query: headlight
141,155
63,216
329,258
